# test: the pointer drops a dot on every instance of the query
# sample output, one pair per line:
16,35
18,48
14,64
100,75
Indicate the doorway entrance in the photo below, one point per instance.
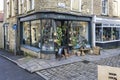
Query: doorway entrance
6,41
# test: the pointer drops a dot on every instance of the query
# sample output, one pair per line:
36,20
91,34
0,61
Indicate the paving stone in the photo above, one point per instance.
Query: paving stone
80,70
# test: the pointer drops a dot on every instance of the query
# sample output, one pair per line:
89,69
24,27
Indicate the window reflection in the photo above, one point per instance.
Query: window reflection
31,33
107,33
47,35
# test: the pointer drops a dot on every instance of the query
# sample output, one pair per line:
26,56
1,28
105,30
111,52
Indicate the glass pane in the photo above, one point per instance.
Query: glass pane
47,35
98,33
116,34
26,33
107,34
58,34
35,33
78,33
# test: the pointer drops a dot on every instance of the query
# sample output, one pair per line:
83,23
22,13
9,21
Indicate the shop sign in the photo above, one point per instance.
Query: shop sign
110,25
14,27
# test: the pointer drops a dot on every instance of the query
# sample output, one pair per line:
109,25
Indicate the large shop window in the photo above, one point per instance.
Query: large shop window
31,33
47,35
78,32
71,33
111,33
107,33
98,33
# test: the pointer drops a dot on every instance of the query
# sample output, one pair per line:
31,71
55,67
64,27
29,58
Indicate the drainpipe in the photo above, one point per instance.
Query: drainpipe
93,30
92,7
16,31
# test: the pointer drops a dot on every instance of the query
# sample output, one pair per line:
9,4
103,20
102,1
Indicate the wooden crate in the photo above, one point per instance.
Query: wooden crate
96,50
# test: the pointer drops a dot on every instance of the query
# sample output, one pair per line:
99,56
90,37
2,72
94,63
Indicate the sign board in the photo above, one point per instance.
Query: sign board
14,27
108,73
110,25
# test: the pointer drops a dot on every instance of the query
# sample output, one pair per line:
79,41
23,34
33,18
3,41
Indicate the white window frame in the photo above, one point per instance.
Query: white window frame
8,8
79,5
106,7
13,8
114,3
30,5
33,4
21,6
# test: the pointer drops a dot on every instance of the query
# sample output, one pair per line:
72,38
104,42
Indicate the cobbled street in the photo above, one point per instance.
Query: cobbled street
84,70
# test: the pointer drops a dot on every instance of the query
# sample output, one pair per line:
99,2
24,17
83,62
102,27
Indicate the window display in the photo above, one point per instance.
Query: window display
35,33
78,33
31,33
47,35
107,33
26,33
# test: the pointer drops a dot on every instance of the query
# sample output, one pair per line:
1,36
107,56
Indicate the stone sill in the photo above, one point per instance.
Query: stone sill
32,51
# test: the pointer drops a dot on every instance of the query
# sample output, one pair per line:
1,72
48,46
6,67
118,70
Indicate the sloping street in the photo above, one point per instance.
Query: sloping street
10,71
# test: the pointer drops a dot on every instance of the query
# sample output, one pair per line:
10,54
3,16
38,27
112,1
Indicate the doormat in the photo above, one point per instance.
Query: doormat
108,73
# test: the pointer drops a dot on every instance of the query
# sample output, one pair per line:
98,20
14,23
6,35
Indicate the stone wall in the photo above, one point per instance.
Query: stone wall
48,5
11,33
97,7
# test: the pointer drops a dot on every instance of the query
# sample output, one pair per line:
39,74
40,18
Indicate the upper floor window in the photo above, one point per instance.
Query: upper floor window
76,5
104,7
13,8
21,6
30,5
8,8
115,8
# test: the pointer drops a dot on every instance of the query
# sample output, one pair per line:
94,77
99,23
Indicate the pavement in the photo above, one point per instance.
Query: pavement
72,68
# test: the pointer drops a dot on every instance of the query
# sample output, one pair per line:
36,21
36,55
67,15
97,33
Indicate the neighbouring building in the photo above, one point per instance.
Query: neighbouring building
107,23
1,30
43,25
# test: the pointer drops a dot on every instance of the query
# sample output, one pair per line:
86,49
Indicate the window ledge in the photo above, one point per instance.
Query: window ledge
30,10
104,14
31,48
75,11
107,41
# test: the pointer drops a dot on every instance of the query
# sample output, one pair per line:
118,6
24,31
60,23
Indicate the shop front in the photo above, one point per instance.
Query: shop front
107,32
47,31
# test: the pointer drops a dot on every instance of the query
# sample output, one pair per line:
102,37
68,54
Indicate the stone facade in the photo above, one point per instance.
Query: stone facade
87,8
11,20
45,5
1,33
97,8
1,28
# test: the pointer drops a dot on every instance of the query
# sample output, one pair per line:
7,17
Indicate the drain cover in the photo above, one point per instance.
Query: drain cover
85,61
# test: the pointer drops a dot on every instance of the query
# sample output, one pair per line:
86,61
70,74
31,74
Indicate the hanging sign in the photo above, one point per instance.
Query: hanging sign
14,27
